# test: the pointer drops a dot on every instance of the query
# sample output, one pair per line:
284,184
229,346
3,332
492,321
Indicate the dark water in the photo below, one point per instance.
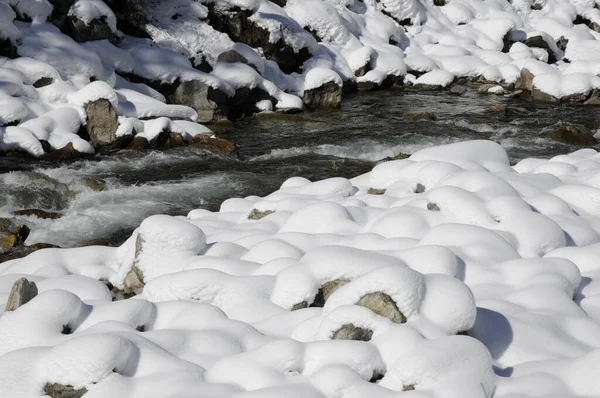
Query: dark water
345,142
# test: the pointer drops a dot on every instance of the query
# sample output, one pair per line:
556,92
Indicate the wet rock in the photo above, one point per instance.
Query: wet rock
67,152
401,156
594,98
375,191
327,290
55,390
43,82
101,123
458,89
42,214
329,95
95,242
427,87
363,70
97,29
366,86
138,144
540,96
525,81
7,49
175,140
215,144
12,235
573,134
484,88
256,214
578,97
351,332
514,94
95,184
432,207
21,293
382,304
497,108
422,116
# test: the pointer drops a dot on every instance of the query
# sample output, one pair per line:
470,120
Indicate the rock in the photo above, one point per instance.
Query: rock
101,123
95,184
539,42
433,207
351,332
231,57
43,82
7,49
327,290
573,134
594,98
427,87
12,235
60,12
95,242
514,94
67,152
138,144
55,390
175,140
134,282
160,140
97,29
458,89
215,144
329,95
562,43
300,306
375,191
420,188
40,246
366,86
484,88
21,293
497,108
401,156
45,215
257,214
382,304
578,97
541,96
363,69
423,116
197,95
133,15
525,81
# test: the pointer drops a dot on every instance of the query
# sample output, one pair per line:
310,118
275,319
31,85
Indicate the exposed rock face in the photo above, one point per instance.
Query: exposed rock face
382,304
327,290
458,89
81,32
215,144
12,235
102,122
236,23
21,293
573,134
525,81
257,214
55,390
67,152
329,95
351,332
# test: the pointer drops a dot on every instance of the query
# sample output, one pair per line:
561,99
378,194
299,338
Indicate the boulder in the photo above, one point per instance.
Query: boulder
540,96
43,82
175,140
433,206
539,42
525,80
97,29
382,304
42,214
60,12
21,293
7,49
578,97
12,235
573,134
67,152
458,89
594,98
95,184
351,332
55,390
215,144
328,95
375,191
197,95
133,15
327,290
231,57
102,123
138,144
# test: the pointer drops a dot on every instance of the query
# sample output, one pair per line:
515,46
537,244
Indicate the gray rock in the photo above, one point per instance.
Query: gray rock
422,116
382,304
21,293
458,90
484,88
55,390
101,123
375,191
81,32
327,290
541,96
351,332
300,306
195,94
433,207
231,57
573,134
134,280
256,214
12,235
525,81
329,95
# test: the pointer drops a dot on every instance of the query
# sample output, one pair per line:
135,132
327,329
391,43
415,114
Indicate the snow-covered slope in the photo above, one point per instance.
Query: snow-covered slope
202,60
447,274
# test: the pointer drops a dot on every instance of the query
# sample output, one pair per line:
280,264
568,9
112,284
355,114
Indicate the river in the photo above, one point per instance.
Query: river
346,142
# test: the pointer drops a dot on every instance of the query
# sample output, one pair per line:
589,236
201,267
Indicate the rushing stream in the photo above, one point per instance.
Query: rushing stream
346,142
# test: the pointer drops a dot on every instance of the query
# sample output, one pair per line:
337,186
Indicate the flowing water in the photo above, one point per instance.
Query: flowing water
346,142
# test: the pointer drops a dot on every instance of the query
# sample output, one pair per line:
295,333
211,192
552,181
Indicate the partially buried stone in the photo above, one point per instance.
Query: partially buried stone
351,332
55,390
21,293
382,304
